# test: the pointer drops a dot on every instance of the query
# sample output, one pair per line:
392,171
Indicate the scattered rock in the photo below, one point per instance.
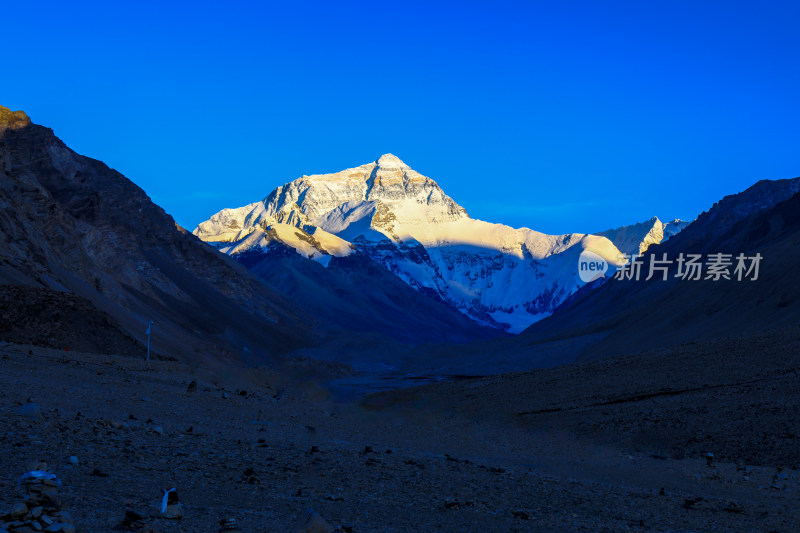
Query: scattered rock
133,522
689,503
18,510
173,512
733,507
228,525
29,410
312,522
250,477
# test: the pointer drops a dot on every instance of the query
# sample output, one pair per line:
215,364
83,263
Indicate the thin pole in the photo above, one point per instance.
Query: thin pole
148,342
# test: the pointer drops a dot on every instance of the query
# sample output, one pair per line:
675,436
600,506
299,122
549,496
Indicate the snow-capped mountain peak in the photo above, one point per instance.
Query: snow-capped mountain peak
403,220
390,162
386,192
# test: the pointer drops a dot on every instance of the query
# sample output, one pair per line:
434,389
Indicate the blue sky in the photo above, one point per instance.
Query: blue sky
559,116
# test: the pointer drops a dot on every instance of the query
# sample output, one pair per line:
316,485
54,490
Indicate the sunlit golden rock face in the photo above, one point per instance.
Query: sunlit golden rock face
13,119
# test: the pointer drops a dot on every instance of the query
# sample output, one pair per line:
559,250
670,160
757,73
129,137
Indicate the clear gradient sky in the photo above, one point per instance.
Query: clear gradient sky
559,116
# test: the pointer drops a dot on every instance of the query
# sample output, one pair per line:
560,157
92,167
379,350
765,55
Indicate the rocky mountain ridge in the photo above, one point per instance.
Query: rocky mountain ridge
498,275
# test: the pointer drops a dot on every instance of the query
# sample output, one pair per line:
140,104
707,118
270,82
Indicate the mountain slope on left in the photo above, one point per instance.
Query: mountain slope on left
72,224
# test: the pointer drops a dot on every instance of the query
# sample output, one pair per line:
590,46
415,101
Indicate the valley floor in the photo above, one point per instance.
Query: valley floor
451,457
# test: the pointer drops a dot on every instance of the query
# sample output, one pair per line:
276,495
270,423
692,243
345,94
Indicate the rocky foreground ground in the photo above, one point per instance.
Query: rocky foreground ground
264,452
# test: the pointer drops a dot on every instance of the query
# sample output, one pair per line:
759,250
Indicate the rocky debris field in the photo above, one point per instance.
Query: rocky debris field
287,457
737,398
61,320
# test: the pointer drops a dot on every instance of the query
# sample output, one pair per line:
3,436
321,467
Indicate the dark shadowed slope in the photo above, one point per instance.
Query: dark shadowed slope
356,294
628,316
68,222
624,317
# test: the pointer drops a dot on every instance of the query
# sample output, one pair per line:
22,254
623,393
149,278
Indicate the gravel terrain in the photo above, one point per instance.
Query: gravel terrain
264,451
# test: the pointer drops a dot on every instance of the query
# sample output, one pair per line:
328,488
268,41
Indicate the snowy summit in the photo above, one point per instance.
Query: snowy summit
496,274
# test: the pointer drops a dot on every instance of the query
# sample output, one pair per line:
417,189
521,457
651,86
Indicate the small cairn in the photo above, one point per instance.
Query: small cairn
42,509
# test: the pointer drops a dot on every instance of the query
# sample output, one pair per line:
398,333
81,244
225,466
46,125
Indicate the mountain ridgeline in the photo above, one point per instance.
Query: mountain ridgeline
625,316
69,223
376,258
388,213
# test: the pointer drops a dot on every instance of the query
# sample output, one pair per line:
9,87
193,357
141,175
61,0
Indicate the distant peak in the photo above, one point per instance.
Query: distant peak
13,119
389,161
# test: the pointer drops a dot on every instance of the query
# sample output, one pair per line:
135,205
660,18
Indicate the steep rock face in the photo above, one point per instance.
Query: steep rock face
496,274
637,238
70,223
